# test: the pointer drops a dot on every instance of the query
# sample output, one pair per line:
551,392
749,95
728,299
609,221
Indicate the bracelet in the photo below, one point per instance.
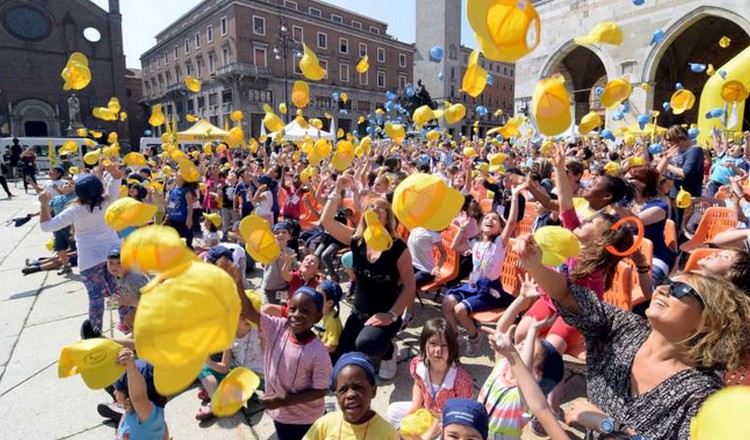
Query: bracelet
643,269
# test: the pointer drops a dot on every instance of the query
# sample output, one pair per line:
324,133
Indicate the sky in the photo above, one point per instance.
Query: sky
143,19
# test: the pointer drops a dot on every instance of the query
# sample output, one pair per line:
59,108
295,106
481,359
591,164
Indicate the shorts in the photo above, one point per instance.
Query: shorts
479,302
61,239
541,310
207,371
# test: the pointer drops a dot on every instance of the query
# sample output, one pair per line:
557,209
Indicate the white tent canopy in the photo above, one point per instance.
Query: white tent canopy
294,132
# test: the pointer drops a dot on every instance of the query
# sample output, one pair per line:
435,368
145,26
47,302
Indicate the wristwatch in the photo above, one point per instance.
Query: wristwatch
392,315
607,425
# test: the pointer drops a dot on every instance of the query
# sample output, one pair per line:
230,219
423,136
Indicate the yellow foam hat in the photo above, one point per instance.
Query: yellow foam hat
271,120
683,199
606,32
432,135
425,200
396,132
615,92
455,113
376,235
310,66
681,101
191,118
300,94
416,423
74,170
94,359
208,149
104,114
557,244
424,114
188,170
213,218
82,132
92,157
470,152
134,159
723,415
323,147
612,168
551,106
724,42
483,167
233,391
128,212
154,248
589,122
193,84
734,91
235,137
182,319
366,144
505,30
68,148
363,65
157,117
76,72
260,242
475,77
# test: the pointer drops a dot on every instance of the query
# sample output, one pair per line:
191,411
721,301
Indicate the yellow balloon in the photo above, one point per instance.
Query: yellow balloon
300,94
310,66
475,78
364,64
236,116
193,84
157,116
344,97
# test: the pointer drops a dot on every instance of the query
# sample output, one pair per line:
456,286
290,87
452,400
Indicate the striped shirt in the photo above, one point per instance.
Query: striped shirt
502,399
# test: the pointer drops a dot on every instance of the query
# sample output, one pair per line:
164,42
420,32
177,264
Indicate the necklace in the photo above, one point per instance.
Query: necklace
434,392
278,361
367,426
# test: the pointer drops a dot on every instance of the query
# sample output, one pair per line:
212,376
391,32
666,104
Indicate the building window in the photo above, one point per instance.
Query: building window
363,79
199,67
166,58
210,33
315,12
322,40
344,72
260,57
169,78
356,24
381,55
324,65
187,46
197,40
188,69
381,79
260,95
290,4
337,18
363,106
511,73
158,62
177,73
176,52
298,33
213,99
211,63
224,26
201,102
402,60
402,82
374,30
343,45
362,50
225,56
259,25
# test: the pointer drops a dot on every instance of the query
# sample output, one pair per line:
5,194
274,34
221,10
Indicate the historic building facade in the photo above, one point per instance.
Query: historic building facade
692,30
246,53
36,39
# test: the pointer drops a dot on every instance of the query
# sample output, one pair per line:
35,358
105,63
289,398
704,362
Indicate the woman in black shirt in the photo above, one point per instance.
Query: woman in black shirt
385,283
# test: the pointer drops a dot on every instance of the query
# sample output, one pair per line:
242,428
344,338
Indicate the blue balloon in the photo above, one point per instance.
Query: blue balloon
390,96
397,106
436,54
693,133
607,134
723,74
625,107
679,86
618,116
148,132
355,133
336,96
666,106
343,111
643,120
639,2
715,113
658,37
697,68
388,106
482,110
490,79
369,130
598,91
441,76
655,148
410,91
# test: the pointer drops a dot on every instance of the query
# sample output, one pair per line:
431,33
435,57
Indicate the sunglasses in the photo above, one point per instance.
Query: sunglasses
680,290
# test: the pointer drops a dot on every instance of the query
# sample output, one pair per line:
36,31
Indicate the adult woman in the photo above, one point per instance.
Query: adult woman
653,375
93,236
385,283
180,207
28,168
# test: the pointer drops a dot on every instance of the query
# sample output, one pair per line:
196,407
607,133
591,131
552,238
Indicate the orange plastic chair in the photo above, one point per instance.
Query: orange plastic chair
696,256
670,234
622,286
308,219
509,278
722,193
714,220
529,215
486,205
479,193
349,203
637,296
449,270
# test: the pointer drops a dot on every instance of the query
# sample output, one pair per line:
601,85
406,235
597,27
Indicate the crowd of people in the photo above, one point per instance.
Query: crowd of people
649,367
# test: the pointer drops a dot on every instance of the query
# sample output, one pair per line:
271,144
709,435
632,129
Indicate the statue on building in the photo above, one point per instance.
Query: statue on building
74,112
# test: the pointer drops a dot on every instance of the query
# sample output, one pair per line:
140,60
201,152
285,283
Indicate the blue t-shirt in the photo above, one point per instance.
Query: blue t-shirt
721,173
150,429
177,207
655,233
691,162
245,191
58,203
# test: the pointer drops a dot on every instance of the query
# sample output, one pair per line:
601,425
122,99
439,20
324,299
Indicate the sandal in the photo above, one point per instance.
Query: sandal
204,413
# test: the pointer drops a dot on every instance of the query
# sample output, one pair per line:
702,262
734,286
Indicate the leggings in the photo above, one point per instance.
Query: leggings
27,172
100,283
327,253
286,431
375,342
4,183
184,231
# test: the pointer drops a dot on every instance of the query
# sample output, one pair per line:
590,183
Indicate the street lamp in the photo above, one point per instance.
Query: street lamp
285,46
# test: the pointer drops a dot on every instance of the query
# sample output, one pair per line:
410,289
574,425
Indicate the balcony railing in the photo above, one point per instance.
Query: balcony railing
244,69
176,88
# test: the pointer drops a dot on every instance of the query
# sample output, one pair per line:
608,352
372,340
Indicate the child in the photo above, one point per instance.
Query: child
436,372
484,291
305,275
329,328
211,225
353,382
500,394
129,285
245,352
729,264
273,284
464,419
144,407
295,363
263,201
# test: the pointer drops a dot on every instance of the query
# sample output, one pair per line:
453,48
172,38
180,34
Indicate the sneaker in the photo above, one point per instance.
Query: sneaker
111,411
65,270
406,319
471,345
204,413
389,367
88,331
29,270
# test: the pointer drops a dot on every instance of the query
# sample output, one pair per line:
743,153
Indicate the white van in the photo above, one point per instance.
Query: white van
40,146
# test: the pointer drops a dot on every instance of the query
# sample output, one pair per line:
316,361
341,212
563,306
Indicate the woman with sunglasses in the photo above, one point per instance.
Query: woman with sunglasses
652,374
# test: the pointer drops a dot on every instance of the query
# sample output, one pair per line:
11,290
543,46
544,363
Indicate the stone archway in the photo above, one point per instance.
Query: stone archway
692,38
32,118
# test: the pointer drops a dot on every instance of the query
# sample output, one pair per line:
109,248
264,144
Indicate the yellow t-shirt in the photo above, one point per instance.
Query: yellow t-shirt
329,330
332,424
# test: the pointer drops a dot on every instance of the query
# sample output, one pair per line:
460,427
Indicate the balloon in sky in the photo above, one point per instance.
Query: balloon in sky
436,54
658,37
310,66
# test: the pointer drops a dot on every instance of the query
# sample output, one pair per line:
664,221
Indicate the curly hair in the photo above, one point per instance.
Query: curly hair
596,256
722,341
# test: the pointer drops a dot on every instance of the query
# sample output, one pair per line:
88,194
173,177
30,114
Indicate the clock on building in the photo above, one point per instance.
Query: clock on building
27,22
